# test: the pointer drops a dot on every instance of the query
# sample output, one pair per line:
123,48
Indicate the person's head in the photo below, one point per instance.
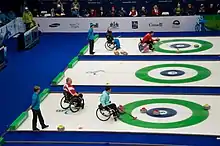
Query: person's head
113,8
26,9
91,25
101,8
133,9
109,30
155,7
189,6
36,89
143,8
58,6
108,89
211,5
151,33
68,80
178,5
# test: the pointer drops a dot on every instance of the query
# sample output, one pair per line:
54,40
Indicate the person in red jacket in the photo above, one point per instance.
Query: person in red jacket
71,92
155,11
147,39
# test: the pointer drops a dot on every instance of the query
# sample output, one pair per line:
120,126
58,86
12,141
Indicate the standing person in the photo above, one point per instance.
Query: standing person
35,107
91,39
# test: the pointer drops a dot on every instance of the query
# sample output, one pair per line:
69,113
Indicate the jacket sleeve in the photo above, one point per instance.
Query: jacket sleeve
89,33
103,99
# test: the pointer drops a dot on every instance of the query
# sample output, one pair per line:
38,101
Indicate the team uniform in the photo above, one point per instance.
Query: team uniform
105,101
149,41
70,91
112,40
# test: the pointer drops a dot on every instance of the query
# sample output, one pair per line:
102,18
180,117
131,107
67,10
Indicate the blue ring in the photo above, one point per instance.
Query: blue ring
172,73
167,112
180,45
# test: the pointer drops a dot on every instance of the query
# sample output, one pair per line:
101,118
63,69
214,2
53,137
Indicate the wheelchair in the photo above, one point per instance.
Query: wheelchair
104,113
143,48
110,46
71,103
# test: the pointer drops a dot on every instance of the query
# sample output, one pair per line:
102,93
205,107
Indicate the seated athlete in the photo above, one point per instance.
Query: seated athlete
149,40
71,92
115,41
106,103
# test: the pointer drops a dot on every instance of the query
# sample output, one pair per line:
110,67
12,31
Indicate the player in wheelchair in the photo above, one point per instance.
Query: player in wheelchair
147,42
72,97
106,105
113,44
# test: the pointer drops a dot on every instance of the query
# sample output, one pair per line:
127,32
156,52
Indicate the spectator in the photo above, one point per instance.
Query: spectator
101,12
155,11
201,10
211,10
75,9
85,13
35,107
112,12
190,10
178,10
28,19
75,5
61,5
218,8
58,11
92,13
122,12
143,12
133,12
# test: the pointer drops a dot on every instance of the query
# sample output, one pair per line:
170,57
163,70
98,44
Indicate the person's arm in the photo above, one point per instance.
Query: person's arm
34,101
103,99
89,33
136,14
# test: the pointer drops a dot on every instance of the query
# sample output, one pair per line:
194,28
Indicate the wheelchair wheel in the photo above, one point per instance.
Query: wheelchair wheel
140,47
103,115
109,46
73,106
64,105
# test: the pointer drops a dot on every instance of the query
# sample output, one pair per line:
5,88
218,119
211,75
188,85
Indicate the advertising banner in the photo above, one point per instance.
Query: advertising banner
119,24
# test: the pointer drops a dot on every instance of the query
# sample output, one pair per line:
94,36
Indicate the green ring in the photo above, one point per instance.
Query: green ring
198,114
202,73
205,45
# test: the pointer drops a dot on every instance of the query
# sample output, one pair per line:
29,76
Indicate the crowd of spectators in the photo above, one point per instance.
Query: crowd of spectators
75,10
6,17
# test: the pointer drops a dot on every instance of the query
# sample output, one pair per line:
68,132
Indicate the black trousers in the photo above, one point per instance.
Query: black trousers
114,107
150,43
37,114
91,46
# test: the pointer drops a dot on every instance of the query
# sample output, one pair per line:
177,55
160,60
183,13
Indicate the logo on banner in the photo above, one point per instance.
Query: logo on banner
114,25
155,24
176,24
134,24
75,25
54,25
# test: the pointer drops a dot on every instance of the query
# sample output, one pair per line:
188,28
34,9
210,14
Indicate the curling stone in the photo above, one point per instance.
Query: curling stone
143,110
156,112
196,46
116,52
60,128
207,107
121,109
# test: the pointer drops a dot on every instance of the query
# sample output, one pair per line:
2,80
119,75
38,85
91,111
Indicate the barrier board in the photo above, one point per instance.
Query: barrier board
122,24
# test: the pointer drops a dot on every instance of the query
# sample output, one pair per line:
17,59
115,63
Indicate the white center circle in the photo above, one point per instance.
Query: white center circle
182,113
172,73
166,46
163,112
155,73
